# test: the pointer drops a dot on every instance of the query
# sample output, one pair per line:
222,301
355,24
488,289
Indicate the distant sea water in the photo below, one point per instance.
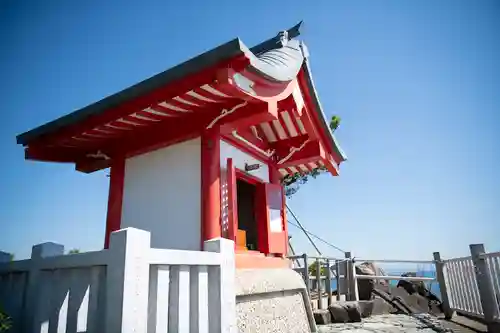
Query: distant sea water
432,286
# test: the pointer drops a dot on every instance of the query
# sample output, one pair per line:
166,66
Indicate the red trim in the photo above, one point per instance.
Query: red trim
115,198
210,186
247,177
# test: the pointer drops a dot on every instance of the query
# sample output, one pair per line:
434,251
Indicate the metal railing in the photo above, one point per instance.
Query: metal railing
468,285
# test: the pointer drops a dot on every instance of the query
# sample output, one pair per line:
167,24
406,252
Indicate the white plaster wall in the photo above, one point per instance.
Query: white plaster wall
239,159
162,195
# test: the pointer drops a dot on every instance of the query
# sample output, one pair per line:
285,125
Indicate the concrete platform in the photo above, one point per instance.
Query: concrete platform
272,300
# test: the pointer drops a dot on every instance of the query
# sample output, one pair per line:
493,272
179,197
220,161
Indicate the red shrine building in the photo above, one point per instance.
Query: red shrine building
199,151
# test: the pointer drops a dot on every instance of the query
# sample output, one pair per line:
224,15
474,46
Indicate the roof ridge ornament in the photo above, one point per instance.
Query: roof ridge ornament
283,36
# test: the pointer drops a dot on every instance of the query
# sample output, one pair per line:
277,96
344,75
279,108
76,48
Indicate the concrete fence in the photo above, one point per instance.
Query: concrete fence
128,288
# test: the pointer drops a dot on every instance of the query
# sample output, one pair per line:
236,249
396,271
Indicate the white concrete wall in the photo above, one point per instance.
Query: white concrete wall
239,159
162,195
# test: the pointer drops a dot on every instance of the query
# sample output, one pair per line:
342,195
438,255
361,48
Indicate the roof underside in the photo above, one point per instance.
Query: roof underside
266,92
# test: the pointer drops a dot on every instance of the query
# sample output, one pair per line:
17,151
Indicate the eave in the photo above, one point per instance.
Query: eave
231,87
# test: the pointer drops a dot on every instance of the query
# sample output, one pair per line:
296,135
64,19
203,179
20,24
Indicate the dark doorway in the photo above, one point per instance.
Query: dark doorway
246,212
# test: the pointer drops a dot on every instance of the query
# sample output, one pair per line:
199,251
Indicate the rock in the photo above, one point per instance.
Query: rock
365,287
339,313
353,312
322,317
366,308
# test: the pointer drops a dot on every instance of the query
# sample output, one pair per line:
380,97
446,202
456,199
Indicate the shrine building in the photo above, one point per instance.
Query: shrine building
199,151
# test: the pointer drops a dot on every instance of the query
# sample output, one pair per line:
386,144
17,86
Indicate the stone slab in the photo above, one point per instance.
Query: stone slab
272,300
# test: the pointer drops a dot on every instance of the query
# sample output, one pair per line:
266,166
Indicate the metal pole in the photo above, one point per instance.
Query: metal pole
337,264
305,272
485,286
328,281
443,288
348,277
318,284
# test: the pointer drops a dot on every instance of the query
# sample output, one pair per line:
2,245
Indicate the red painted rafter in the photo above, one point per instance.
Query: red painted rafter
141,102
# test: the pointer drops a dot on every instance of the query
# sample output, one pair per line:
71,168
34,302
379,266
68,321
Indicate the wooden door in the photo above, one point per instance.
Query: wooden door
276,231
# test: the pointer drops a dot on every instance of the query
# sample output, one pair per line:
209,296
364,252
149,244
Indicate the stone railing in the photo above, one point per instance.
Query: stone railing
130,287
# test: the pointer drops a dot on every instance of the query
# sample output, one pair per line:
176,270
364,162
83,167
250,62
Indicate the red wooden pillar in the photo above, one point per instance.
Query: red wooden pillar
115,198
210,185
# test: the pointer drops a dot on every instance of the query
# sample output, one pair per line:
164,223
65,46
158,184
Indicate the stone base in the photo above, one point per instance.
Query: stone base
272,300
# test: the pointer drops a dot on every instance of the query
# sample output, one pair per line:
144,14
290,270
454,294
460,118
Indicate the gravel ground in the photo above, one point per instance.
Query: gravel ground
422,323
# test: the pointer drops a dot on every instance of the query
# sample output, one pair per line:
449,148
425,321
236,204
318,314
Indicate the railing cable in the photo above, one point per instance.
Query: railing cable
309,234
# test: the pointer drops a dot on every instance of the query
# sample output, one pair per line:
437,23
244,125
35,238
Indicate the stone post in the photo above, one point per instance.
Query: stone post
443,288
34,307
223,318
350,278
329,282
485,286
337,270
318,283
127,281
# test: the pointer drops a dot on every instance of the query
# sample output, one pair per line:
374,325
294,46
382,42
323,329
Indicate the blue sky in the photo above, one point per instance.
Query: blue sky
416,84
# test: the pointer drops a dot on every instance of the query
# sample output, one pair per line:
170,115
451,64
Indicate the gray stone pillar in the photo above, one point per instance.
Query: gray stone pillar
443,288
318,283
328,282
485,286
38,252
127,281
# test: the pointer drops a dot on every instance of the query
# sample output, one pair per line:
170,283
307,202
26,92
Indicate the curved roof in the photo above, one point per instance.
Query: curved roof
277,61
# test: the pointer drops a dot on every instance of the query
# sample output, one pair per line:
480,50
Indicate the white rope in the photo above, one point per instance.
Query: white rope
268,153
225,112
293,150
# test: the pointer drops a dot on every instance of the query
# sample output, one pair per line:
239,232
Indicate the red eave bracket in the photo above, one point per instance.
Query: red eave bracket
249,114
309,151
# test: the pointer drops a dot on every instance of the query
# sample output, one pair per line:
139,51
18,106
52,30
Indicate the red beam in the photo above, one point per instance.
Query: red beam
115,199
249,115
311,152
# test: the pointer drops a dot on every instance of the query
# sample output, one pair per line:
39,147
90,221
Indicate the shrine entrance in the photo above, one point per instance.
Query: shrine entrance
247,234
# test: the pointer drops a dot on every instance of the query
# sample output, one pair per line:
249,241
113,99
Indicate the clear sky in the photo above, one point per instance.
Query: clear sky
417,84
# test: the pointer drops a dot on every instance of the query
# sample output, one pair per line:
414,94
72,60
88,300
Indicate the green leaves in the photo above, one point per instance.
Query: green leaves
293,182
312,269
73,251
334,123
5,321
